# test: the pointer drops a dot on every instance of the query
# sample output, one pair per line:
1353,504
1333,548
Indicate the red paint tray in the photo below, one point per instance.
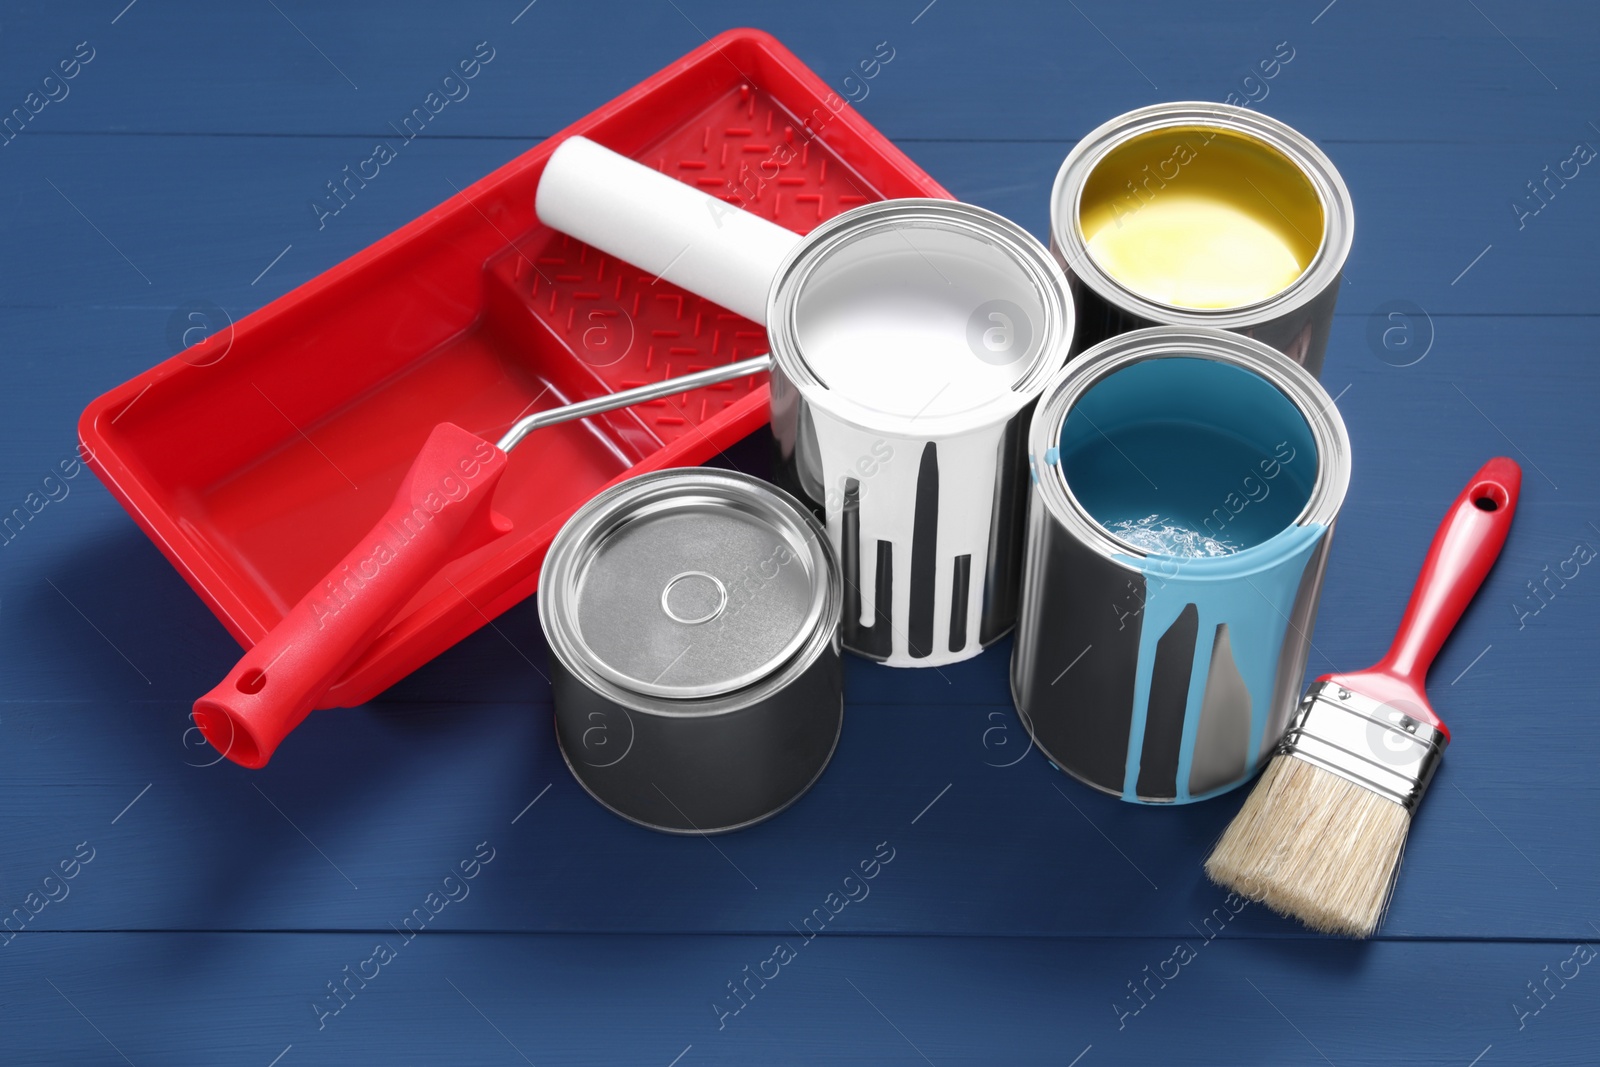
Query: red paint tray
255,473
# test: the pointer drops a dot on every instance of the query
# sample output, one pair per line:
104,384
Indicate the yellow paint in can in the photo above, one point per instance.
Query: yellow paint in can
1200,217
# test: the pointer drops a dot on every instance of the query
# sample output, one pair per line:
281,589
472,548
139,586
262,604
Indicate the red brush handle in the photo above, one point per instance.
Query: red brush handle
440,513
1462,552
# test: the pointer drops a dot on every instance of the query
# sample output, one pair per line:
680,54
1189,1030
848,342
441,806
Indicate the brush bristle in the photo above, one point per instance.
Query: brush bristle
1313,845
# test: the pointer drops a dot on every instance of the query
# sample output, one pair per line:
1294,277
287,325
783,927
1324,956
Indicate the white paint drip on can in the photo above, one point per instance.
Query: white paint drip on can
887,504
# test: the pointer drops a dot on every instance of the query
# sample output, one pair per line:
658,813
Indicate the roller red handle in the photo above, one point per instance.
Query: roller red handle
440,513
1463,550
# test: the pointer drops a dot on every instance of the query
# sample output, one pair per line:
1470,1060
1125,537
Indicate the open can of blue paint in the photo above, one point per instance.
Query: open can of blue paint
1185,484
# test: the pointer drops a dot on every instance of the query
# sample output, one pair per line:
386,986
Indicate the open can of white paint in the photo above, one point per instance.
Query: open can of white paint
1202,214
1185,486
910,339
693,622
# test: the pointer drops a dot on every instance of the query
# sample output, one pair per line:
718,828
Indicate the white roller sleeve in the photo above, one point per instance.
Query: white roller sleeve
662,225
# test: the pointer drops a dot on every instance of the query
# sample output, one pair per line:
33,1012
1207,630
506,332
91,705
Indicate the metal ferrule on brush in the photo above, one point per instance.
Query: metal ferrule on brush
1375,745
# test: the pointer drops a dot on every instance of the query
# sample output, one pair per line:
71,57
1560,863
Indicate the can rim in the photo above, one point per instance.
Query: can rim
1338,210
581,537
1036,262
1090,368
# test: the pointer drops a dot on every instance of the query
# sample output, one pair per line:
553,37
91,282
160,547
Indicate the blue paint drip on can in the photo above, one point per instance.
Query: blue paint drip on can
1252,593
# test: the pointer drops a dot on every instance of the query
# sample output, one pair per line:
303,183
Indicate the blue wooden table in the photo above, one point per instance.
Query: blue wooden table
218,916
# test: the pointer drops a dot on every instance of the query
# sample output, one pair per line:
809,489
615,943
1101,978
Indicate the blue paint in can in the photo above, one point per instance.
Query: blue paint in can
1205,446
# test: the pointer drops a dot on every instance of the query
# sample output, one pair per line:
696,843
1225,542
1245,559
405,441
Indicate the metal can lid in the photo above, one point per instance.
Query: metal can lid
687,584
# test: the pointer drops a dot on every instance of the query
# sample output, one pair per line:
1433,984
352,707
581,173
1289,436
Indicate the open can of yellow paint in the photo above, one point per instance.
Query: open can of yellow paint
1198,214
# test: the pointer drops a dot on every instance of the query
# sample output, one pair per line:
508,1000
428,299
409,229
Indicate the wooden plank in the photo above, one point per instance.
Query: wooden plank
247,998
182,219
1360,71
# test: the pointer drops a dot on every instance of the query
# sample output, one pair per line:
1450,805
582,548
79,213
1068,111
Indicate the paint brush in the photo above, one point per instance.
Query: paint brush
1320,837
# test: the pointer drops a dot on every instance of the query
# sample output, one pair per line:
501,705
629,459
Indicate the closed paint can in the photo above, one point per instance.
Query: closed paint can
909,340
1198,214
1185,488
693,623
